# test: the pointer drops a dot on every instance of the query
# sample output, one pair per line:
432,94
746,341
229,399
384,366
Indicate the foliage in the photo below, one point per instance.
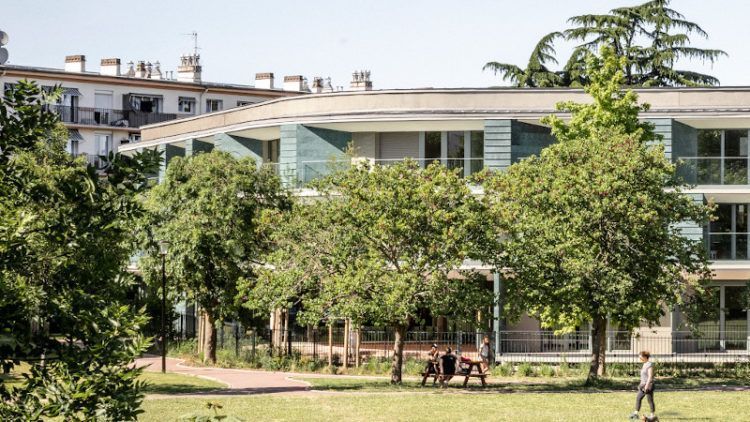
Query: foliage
377,248
65,233
651,37
215,211
592,223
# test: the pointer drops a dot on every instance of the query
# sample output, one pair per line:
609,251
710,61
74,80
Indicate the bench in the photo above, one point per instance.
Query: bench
446,378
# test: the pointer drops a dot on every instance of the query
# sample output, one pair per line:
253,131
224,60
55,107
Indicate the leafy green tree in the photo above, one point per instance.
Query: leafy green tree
214,210
591,225
65,240
377,248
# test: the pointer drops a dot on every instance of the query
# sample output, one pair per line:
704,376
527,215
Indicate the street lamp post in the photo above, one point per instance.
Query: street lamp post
163,247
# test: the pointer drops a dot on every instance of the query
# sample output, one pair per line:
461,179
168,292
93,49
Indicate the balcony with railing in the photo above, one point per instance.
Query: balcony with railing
311,170
714,170
109,117
728,246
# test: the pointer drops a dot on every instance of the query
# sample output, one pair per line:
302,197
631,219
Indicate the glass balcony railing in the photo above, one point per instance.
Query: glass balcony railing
714,170
728,246
311,170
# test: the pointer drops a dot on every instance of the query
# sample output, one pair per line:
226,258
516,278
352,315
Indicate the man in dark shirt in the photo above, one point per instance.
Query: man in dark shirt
447,366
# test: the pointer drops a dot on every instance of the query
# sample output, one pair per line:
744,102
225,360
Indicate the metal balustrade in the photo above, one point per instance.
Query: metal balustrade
109,117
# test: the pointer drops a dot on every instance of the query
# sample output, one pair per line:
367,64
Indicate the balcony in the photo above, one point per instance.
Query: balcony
311,170
724,246
714,170
109,117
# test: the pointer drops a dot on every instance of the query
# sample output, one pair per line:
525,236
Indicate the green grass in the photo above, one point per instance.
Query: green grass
449,405
158,383
513,384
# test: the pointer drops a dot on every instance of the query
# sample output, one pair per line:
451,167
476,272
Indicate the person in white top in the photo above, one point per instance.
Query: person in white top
645,387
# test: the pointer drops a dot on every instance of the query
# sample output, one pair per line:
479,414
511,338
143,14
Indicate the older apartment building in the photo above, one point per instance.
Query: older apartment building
105,108
705,131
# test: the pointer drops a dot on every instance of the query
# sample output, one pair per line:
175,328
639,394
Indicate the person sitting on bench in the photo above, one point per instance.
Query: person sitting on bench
433,362
447,366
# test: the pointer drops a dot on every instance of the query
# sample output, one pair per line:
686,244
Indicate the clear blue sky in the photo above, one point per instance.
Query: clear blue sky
406,44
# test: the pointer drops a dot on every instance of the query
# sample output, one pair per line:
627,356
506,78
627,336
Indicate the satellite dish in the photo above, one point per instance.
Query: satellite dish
3,38
3,55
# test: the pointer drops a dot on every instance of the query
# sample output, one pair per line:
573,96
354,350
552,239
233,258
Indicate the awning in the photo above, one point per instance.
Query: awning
74,135
73,92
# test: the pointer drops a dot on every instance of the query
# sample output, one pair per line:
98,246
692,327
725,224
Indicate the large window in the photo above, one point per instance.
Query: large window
723,317
722,158
456,149
146,103
728,233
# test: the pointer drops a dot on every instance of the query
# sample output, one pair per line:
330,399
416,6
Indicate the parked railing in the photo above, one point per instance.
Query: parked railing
714,170
109,117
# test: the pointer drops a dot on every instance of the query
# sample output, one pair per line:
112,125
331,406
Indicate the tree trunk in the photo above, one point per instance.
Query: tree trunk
398,354
330,345
357,346
346,343
209,338
201,333
598,348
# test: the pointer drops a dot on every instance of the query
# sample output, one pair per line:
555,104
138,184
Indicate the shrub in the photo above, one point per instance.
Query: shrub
524,370
546,371
503,370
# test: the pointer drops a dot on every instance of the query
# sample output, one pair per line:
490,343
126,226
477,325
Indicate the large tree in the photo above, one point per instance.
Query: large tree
591,225
65,240
652,37
379,246
214,210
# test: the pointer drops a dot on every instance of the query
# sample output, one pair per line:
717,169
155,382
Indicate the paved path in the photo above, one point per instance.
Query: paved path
239,381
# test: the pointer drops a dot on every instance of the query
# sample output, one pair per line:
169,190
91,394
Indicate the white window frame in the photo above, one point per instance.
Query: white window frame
217,101
181,101
444,148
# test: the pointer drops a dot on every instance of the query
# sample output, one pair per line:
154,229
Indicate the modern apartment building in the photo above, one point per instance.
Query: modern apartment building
703,129
105,109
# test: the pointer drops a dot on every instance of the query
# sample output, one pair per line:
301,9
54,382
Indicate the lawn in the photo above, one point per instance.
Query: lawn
169,383
157,383
451,405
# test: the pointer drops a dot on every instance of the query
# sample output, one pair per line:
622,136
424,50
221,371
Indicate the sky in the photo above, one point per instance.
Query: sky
405,44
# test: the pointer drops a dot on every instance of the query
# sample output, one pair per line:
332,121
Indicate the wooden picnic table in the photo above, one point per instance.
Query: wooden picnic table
471,369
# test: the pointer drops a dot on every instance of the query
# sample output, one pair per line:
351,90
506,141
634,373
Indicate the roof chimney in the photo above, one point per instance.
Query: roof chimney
264,80
317,85
361,81
75,63
110,67
189,69
294,83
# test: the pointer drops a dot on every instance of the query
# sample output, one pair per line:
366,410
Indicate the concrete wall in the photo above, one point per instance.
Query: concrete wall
365,144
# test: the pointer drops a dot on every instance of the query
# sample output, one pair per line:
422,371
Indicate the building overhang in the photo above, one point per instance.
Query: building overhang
441,109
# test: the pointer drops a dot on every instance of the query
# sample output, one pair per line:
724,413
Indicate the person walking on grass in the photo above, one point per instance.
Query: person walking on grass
645,388
485,353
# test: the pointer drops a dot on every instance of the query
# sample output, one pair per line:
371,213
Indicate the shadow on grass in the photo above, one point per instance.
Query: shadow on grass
526,385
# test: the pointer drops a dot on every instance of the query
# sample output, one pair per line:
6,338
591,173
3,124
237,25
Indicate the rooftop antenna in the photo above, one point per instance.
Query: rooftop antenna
194,34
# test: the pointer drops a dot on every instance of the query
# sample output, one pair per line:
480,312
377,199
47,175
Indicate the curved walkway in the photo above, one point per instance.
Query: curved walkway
238,381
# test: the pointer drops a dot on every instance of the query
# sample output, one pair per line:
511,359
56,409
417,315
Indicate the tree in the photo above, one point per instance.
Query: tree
214,210
65,240
536,74
653,22
591,224
378,247
651,36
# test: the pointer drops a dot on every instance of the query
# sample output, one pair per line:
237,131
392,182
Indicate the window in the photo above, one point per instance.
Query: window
213,105
146,103
103,143
186,105
241,103
456,149
722,158
728,234
74,147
